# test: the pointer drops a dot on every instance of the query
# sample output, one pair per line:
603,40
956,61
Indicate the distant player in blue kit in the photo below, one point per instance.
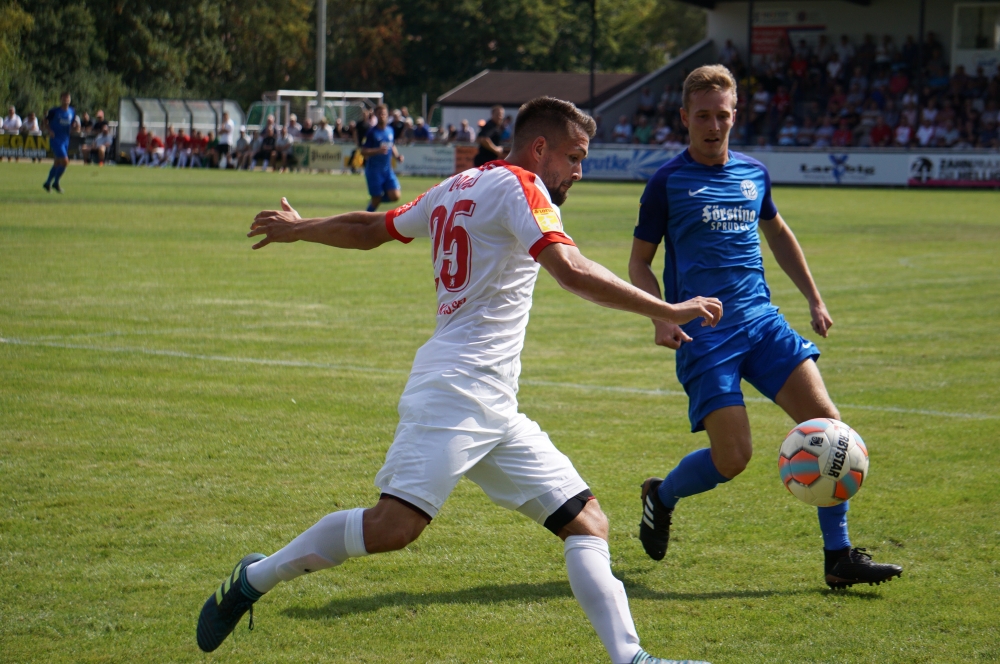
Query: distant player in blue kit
59,121
379,148
706,206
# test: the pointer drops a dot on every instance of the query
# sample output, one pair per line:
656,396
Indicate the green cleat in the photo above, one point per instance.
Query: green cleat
225,607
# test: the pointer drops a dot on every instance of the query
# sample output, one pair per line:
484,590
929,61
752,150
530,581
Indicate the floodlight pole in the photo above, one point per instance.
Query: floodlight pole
593,52
320,53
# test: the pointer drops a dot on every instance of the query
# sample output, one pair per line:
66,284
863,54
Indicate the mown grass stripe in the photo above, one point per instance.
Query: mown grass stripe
535,383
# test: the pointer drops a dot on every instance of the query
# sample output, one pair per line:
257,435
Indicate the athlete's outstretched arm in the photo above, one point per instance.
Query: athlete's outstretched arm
352,230
592,281
640,271
788,253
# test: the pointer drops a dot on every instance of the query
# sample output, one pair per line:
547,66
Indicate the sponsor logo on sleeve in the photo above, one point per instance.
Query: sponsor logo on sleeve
547,219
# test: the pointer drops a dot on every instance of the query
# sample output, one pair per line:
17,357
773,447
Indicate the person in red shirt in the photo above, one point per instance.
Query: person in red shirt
183,148
881,133
197,149
154,150
782,101
170,145
139,151
842,138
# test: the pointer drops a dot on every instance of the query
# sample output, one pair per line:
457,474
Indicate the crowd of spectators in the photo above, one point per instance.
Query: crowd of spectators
14,124
871,94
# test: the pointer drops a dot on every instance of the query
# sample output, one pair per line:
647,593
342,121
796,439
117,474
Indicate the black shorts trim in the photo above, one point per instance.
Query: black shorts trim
408,504
563,516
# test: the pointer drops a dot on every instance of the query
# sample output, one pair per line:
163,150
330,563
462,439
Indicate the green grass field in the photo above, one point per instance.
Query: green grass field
170,401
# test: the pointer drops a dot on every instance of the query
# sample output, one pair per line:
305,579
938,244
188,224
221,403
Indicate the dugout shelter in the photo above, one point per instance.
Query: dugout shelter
157,114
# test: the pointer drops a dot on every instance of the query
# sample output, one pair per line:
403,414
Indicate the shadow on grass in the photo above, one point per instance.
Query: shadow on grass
528,592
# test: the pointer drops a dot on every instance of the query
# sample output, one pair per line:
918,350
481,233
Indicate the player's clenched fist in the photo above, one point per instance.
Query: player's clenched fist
275,225
709,308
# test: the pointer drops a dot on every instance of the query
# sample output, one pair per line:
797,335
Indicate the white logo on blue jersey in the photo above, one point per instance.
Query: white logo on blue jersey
749,190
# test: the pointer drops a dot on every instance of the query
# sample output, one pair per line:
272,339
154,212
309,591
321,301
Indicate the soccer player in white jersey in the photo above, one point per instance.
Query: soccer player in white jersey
459,413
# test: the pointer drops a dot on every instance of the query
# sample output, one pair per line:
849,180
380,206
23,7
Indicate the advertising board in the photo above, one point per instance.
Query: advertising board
624,163
436,160
954,170
850,168
326,157
27,147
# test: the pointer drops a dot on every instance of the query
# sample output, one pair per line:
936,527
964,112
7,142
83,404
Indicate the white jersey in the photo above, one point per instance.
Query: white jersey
11,124
487,225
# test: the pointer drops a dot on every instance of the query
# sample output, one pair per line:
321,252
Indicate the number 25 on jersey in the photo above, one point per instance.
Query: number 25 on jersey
454,244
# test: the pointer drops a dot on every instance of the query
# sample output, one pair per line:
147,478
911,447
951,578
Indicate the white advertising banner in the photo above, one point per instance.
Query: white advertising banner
436,160
807,167
850,168
955,170
610,162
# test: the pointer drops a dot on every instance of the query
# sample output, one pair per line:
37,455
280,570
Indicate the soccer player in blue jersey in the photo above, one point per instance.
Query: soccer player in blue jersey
378,149
59,120
706,206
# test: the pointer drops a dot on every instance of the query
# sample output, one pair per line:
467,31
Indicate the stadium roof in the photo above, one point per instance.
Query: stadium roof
513,88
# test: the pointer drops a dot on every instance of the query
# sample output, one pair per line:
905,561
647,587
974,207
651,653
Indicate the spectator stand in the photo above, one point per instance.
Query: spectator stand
204,115
668,77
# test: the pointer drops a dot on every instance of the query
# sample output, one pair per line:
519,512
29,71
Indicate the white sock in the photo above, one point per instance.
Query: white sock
601,595
332,540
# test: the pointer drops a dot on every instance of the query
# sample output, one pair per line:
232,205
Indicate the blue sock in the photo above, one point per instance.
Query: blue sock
59,171
696,473
52,175
833,523
370,208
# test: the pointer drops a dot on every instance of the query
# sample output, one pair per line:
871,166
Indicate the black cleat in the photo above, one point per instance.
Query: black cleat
47,187
57,187
856,566
654,529
227,605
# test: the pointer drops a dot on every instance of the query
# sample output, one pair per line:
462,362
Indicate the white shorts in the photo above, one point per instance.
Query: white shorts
457,423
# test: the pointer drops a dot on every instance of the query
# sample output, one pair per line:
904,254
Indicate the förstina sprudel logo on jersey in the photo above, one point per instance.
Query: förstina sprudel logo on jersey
749,190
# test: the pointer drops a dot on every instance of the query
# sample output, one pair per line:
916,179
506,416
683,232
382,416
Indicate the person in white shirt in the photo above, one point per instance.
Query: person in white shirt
490,229
12,124
103,143
465,133
324,132
294,128
226,139
925,133
904,133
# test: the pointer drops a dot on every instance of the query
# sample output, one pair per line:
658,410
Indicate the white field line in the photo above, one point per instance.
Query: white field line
375,370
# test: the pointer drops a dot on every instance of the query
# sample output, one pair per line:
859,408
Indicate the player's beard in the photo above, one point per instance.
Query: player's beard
558,191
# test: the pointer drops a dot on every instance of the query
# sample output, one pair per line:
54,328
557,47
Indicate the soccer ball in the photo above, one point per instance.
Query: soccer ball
823,462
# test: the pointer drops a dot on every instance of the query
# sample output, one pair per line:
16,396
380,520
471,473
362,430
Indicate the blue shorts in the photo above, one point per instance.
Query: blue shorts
381,182
764,351
60,149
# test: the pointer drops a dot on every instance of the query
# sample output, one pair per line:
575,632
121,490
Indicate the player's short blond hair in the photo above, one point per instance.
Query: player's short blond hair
709,78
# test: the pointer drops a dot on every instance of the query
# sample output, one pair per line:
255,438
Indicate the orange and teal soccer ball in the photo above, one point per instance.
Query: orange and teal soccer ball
823,462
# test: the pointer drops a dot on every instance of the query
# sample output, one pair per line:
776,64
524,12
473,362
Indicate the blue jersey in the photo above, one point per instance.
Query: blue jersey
706,217
377,138
60,122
